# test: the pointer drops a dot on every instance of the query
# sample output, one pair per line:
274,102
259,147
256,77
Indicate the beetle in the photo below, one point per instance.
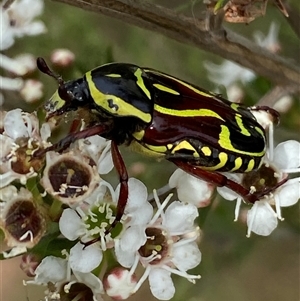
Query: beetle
164,117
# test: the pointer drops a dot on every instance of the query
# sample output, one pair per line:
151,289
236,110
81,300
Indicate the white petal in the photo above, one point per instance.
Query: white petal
126,259
180,217
70,224
85,259
7,178
28,9
261,219
14,125
289,194
190,189
99,150
161,284
141,216
175,178
137,194
51,269
32,29
186,256
89,279
7,35
228,73
105,163
133,238
287,154
45,131
227,193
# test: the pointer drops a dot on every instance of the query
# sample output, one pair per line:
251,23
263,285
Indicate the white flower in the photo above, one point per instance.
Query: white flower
228,73
21,16
138,213
59,271
92,218
270,41
22,221
20,137
76,223
262,218
17,21
70,177
170,247
191,189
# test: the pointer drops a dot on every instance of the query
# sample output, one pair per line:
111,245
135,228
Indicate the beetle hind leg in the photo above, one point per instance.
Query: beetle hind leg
221,180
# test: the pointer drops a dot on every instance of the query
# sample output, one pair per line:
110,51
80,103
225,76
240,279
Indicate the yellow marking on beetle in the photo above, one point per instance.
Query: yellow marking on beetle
239,122
185,145
139,135
237,164
182,83
206,151
225,142
234,106
223,157
113,104
144,150
250,165
54,103
166,89
187,113
162,149
140,82
113,75
260,131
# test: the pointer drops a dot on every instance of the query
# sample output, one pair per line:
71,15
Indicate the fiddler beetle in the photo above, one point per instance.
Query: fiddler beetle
162,116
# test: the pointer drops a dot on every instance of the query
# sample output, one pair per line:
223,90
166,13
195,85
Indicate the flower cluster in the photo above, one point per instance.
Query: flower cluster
63,200
18,20
231,75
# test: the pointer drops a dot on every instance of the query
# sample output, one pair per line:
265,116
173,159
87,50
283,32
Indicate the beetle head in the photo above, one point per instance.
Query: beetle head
69,95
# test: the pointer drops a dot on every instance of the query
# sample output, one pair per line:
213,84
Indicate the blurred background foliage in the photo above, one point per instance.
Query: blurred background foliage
233,267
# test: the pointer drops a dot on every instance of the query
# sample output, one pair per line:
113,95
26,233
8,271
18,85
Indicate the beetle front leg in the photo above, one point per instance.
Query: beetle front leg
221,180
123,176
68,140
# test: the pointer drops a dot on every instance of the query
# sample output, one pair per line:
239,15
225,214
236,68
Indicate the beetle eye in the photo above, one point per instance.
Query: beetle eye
64,93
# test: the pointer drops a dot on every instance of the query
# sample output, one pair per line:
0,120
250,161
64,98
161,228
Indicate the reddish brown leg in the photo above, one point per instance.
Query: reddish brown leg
68,140
123,176
221,180
123,197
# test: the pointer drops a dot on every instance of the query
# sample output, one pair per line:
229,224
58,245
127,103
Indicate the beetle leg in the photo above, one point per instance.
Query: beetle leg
123,196
221,180
123,176
68,140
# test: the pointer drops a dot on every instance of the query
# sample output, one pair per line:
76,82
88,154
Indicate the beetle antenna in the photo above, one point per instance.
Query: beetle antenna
62,91
43,67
